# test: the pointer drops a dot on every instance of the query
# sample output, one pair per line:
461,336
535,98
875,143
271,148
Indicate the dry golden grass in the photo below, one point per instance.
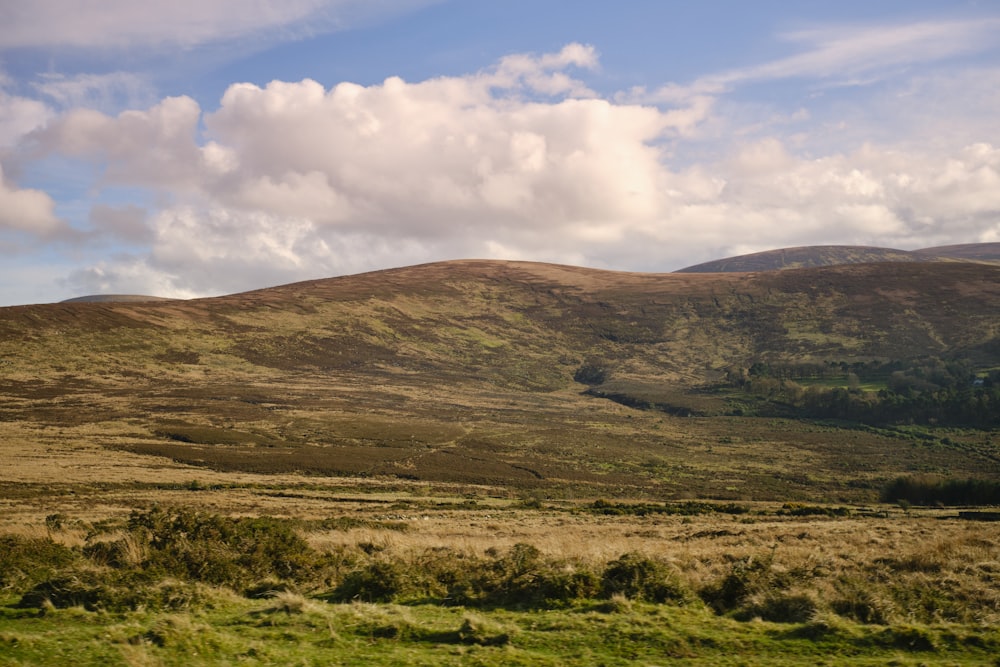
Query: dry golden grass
954,565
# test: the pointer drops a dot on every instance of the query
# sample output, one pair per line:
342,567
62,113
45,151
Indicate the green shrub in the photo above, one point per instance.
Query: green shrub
30,560
218,550
781,607
523,578
380,581
746,577
108,590
639,577
857,601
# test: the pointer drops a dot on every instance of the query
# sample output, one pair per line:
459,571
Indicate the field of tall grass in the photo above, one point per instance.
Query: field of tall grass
397,577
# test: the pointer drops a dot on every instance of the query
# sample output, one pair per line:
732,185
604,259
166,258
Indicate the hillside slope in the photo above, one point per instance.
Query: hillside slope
464,371
832,255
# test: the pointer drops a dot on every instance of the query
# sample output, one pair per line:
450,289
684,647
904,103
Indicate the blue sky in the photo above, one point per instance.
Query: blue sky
200,148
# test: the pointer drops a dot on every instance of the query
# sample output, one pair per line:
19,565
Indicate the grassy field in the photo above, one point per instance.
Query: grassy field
411,467
117,558
380,573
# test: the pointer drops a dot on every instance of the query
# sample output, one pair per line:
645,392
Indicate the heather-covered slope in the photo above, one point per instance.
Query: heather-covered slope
832,255
475,371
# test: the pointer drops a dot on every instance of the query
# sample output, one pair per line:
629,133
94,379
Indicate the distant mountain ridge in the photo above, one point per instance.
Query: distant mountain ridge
834,255
115,298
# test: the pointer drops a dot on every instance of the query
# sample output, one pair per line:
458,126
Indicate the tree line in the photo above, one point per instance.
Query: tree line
929,391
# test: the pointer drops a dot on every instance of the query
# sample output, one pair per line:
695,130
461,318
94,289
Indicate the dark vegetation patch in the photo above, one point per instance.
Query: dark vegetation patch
689,508
640,403
174,356
928,391
209,435
930,490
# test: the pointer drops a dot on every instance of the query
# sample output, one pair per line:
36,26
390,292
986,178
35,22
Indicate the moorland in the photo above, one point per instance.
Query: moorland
485,462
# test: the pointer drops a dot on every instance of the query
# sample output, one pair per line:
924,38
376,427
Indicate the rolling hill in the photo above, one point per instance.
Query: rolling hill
114,298
500,373
832,255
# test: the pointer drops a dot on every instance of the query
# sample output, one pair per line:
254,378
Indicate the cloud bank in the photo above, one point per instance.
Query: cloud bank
295,180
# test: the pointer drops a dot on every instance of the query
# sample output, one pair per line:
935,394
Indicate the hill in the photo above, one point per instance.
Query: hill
114,298
509,373
973,252
832,255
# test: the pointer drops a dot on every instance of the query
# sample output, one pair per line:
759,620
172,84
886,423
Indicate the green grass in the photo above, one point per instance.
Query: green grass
842,382
300,631
725,584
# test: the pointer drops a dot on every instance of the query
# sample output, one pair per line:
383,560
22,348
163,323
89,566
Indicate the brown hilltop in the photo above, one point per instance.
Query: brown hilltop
832,255
472,317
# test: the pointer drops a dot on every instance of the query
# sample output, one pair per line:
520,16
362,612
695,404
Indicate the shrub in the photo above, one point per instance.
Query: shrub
639,577
522,577
380,581
29,560
746,577
592,373
107,590
781,607
216,549
856,601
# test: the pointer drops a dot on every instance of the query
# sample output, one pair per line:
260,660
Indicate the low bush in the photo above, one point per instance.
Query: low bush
30,560
220,550
780,607
747,577
524,578
640,577
858,602
379,581
686,508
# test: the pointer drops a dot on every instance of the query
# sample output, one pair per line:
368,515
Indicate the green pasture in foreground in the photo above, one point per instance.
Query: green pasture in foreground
292,630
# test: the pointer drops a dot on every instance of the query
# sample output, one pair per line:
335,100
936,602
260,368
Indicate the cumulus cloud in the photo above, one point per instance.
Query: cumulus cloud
294,180
155,147
28,211
19,116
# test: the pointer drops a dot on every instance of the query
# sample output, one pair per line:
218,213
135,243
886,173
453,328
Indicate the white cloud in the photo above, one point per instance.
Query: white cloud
545,74
28,211
108,91
850,53
293,180
104,24
155,147
19,116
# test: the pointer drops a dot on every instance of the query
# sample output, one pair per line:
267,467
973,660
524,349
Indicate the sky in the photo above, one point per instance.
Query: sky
206,147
